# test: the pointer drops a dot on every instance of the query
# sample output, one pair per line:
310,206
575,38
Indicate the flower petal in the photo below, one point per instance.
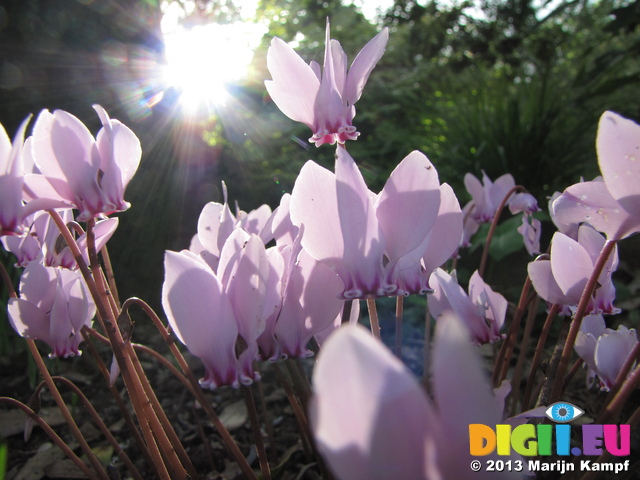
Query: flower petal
618,145
388,415
294,86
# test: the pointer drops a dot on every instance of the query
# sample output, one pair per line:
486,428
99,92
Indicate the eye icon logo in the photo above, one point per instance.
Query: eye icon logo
563,412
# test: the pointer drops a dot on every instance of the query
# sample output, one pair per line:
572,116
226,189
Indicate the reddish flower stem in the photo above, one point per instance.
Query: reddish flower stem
399,314
195,387
107,321
101,425
257,433
492,228
373,317
6,279
504,356
524,351
578,316
86,333
86,449
553,311
52,435
622,375
615,405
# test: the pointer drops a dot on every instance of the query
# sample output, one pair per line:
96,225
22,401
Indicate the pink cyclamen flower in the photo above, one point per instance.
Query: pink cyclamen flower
372,420
11,181
603,349
310,303
611,204
324,101
531,229
487,196
562,279
54,305
209,310
375,243
482,310
71,166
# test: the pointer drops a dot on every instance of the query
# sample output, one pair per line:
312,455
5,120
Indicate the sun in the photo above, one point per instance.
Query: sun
203,60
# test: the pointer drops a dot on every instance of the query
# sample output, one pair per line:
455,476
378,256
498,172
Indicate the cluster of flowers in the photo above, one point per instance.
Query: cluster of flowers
261,285
60,166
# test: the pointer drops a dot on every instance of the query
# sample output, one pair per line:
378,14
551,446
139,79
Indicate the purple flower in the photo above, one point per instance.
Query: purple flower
209,311
531,229
74,168
611,206
54,305
562,279
43,239
618,146
309,304
482,310
487,196
376,243
324,101
394,429
201,316
11,181
604,350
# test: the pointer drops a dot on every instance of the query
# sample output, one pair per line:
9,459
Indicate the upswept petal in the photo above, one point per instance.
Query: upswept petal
311,303
592,202
591,328
38,285
544,283
246,286
446,231
280,226
362,66
618,147
215,224
391,422
493,304
120,154
5,151
294,86
28,320
612,349
571,266
407,206
500,188
12,211
363,239
201,316
64,150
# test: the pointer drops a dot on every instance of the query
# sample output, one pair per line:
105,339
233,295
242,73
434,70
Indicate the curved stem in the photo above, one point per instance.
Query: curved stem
613,408
622,374
86,332
101,425
578,316
6,279
196,390
492,228
95,463
504,356
524,350
553,311
52,435
257,434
